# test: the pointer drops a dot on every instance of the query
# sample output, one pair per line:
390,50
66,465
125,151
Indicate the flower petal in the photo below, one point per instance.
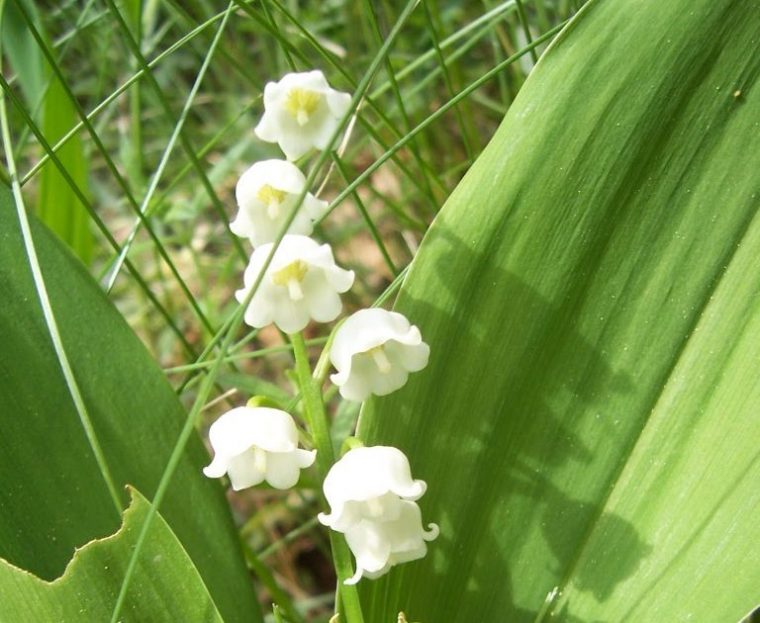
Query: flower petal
369,543
244,471
384,383
240,428
282,469
217,468
413,357
324,305
290,316
338,103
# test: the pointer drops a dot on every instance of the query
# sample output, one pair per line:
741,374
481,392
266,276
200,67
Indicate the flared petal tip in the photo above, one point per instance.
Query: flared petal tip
215,469
354,579
431,534
326,519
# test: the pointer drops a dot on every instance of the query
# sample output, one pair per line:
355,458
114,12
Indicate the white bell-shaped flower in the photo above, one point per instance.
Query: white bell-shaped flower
301,283
266,194
378,545
368,484
254,444
301,111
374,351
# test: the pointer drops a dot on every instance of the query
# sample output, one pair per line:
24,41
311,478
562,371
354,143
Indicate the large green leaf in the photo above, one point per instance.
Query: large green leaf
167,586
54,497
590,417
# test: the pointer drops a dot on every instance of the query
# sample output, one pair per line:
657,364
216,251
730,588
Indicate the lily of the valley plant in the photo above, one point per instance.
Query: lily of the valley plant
370,490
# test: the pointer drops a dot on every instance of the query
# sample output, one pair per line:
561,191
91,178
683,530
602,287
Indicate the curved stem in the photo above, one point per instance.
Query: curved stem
316,419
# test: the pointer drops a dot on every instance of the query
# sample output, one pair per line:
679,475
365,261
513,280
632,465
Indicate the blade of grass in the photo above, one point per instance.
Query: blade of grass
233,57
338,66
103,105
526,29
488,20
64,46
413,144
366,217
202,153
256,354
463,129
283,48
55,204
134,160
281,598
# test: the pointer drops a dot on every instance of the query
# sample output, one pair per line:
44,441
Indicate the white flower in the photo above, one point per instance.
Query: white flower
266,194
254,444
372,497
378,545
301,111
301,283
374,351
368,483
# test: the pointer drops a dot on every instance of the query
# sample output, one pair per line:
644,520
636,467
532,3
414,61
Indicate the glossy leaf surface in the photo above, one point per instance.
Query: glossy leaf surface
589,418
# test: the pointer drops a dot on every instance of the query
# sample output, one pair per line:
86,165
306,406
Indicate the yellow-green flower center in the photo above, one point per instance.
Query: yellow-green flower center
260,460
302,103
380,358
273,198
291,277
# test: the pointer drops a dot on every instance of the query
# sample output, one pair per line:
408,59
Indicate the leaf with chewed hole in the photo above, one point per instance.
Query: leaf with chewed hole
166,585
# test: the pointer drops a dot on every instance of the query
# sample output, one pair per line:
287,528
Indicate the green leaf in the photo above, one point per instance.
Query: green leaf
167,587
21,49
57,205
589,418
54,496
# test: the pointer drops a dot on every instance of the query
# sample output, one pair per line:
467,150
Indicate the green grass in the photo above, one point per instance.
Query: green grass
162,97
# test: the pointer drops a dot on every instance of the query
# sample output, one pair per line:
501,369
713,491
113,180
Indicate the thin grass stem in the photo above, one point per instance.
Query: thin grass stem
112,166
